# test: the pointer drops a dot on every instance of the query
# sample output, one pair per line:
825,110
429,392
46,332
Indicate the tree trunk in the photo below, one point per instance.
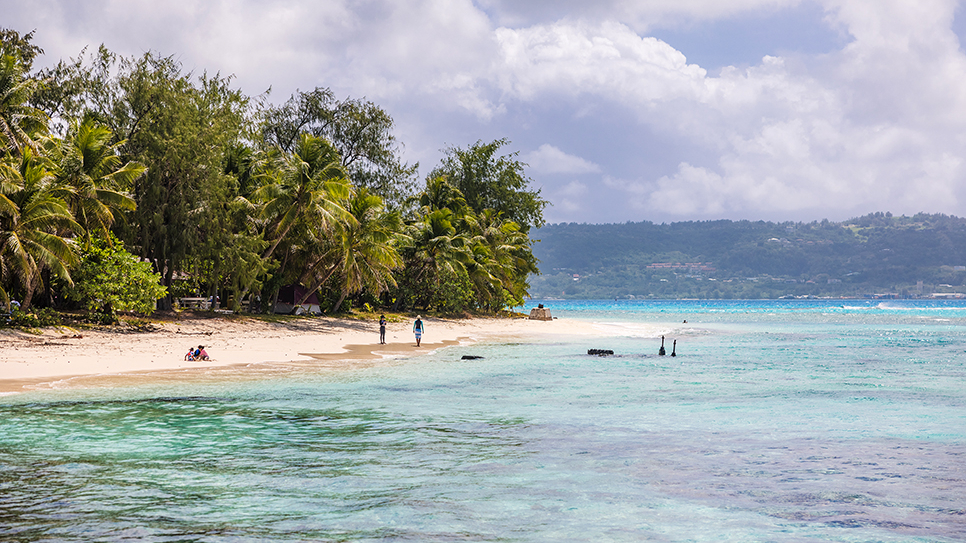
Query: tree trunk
315,286
28,296
48,289
271,308
338,304
167,302
214,288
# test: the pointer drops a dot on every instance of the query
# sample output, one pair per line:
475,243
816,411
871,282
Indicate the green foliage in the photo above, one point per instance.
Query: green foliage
91,176
20,122
35,226
488,181
109,279
362,250
21,46
33,318
453,293
182,289
24,319
100,317
874,254
359,130
174,124
48,317
460,259
225,198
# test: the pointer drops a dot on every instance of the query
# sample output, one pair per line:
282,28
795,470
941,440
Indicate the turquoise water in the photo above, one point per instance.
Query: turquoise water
778,421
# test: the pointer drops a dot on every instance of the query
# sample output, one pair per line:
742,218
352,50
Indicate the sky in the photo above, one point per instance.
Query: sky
624,110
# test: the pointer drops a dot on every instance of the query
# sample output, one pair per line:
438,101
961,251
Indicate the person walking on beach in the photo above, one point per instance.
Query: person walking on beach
418,329
382,329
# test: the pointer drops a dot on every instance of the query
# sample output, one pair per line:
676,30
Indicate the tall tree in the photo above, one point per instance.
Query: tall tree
20,46
508,259
489,181
92,177
441,194
175,124
33,221
308,186
364,249
360,131
455,249
300,198
178,126
236,235
436,251
20,123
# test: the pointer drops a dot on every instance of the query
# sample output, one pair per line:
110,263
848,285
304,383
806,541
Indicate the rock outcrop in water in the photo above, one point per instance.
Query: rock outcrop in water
540,313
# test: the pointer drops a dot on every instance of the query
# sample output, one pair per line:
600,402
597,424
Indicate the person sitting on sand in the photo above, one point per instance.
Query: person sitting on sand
200,353
190,356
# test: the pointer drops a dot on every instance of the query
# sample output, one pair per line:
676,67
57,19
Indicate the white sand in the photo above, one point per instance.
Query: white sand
30,361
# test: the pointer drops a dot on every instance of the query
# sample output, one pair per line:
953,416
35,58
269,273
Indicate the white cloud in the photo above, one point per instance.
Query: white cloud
640,14
549,159
572,197
879,124
610,60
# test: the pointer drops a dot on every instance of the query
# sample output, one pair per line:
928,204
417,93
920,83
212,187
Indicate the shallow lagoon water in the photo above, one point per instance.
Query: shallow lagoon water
778,421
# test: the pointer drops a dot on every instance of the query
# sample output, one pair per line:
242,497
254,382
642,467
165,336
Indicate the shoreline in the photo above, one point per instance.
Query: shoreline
63,357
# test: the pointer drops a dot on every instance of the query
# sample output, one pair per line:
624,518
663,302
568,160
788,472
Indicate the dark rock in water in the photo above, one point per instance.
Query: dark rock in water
470,357
600,352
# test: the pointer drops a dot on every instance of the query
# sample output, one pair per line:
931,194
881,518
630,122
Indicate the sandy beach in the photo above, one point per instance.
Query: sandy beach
63,355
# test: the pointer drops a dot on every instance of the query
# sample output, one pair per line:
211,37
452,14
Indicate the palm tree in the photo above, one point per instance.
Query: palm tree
440,194
31,220
306,188
484,271
19,122
364,251
8,209
301,194
435,250
512,259
93,180
438,246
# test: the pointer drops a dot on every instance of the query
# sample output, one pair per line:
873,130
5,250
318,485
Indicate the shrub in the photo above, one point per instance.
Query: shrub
48,317
110,279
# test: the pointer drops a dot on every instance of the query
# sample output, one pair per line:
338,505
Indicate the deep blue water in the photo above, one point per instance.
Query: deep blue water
777,421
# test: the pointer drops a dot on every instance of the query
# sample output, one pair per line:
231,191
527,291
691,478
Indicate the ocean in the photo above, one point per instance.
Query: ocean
777,421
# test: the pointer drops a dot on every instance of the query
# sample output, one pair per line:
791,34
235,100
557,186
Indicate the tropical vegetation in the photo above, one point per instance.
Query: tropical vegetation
127,184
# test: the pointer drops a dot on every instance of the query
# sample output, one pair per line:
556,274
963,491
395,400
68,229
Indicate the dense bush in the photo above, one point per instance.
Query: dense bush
110,279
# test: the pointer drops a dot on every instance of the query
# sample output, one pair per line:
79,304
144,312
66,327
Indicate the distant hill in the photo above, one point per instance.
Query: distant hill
875,255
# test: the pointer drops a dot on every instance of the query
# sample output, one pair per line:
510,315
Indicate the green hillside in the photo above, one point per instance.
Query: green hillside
874,255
